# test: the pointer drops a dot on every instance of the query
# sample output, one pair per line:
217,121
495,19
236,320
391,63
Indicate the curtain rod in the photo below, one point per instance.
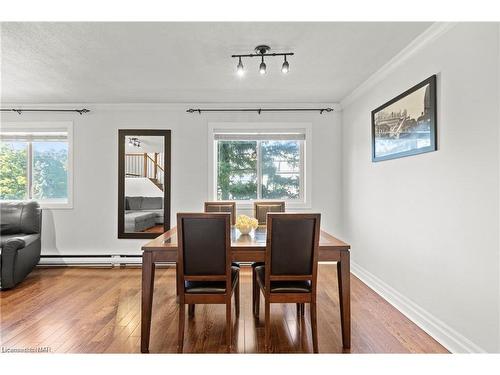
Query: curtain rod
259,110
21,110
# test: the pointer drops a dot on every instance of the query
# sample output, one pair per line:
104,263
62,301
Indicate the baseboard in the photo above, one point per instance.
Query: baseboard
440,331
90,260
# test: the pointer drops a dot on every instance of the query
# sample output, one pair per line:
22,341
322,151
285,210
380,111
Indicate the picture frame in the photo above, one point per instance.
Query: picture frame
407,124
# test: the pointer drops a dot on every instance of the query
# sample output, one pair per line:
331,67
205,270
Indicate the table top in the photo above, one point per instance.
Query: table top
256,240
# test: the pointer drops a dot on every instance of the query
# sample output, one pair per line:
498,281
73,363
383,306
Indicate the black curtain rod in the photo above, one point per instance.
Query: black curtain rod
258,110
21,110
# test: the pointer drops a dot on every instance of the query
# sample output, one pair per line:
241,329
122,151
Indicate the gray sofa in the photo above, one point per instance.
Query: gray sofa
20,241
142,213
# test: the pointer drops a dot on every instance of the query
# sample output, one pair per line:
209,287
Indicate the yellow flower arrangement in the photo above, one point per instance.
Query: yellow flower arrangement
246,224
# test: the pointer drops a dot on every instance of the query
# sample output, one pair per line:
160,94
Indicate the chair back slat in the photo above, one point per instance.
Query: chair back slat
222,206
261,209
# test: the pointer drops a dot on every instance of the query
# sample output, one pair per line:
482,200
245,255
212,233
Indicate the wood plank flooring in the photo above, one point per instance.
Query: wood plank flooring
97,310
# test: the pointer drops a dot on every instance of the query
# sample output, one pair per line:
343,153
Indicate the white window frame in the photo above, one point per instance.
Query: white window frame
65,126
263,127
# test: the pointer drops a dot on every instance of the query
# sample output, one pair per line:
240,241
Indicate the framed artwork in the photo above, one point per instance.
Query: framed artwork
406,125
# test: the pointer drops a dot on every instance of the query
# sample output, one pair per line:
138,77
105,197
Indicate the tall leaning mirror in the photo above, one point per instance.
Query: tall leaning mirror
144,183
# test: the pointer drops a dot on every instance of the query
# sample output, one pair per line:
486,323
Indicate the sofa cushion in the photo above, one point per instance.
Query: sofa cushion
20,217
282,286
152,203
133,203
212,287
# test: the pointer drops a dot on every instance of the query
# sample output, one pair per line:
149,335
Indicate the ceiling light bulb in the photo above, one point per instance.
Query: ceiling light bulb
239,69
130,143
285,67
262,67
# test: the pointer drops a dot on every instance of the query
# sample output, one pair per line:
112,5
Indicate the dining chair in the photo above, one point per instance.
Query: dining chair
260,210
222,206
205,274
289,274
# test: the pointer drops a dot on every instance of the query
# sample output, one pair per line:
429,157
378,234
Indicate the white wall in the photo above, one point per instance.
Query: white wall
141,187
91,226
426,227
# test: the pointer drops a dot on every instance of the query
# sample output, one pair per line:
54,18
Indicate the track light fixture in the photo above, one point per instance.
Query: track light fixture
263,51
134,142
285,67
262,67
239,69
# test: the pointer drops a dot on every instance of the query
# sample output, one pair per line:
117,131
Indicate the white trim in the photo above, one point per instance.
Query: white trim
440,331
498,124
305,127
67,126
428,36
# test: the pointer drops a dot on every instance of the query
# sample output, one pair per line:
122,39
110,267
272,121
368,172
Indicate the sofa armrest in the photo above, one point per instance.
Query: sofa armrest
8,260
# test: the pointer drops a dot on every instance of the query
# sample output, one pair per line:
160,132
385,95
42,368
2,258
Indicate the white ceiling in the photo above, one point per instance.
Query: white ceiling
190,62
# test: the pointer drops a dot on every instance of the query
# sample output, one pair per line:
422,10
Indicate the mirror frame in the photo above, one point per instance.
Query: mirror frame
122,134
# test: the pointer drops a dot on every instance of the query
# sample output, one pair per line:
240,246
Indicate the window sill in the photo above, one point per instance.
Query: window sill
47,205
247,205
56,206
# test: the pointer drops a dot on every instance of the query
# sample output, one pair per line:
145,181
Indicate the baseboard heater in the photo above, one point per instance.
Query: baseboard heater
101,260
110,260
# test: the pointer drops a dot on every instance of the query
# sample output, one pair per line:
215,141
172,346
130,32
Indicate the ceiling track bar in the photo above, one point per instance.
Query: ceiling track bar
259,110
264,54
21,110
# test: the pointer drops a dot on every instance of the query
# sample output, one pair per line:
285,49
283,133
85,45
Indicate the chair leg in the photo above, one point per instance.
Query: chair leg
228,326
267,325
300,309
237,298
257,303
314,327
255,290
191,310
180,334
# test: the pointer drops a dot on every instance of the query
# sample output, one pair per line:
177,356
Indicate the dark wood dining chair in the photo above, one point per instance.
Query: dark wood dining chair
205,274
222,206
289,274
260,210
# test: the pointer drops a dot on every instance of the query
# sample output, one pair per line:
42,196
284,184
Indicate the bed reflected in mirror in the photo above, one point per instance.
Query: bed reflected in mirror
144,189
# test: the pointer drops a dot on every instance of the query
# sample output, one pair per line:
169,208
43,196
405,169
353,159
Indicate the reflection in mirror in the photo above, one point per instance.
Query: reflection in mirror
145,184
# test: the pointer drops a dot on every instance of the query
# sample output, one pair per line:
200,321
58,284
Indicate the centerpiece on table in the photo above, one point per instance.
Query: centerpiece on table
246,224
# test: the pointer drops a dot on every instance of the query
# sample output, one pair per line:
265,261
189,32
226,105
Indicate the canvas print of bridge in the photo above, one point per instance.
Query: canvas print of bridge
406,125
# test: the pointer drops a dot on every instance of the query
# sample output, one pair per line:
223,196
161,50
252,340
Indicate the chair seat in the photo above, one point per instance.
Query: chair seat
282,286
211,287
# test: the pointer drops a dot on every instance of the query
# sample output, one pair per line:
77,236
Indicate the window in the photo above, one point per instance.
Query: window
259,165
35,164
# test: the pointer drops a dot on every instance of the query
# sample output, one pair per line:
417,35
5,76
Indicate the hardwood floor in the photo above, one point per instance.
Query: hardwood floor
155,229
97,310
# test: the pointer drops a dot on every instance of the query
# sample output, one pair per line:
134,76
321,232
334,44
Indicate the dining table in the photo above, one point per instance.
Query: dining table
244,248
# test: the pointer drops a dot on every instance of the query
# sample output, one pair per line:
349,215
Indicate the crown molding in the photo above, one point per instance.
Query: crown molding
435,31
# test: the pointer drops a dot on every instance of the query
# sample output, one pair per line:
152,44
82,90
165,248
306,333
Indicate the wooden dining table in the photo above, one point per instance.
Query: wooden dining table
244,248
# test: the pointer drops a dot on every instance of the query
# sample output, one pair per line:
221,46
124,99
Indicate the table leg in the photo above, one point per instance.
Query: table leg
148,279
344,280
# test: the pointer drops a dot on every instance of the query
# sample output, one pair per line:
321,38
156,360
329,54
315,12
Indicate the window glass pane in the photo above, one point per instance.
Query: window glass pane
50,170
280,169
236,170
13,170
